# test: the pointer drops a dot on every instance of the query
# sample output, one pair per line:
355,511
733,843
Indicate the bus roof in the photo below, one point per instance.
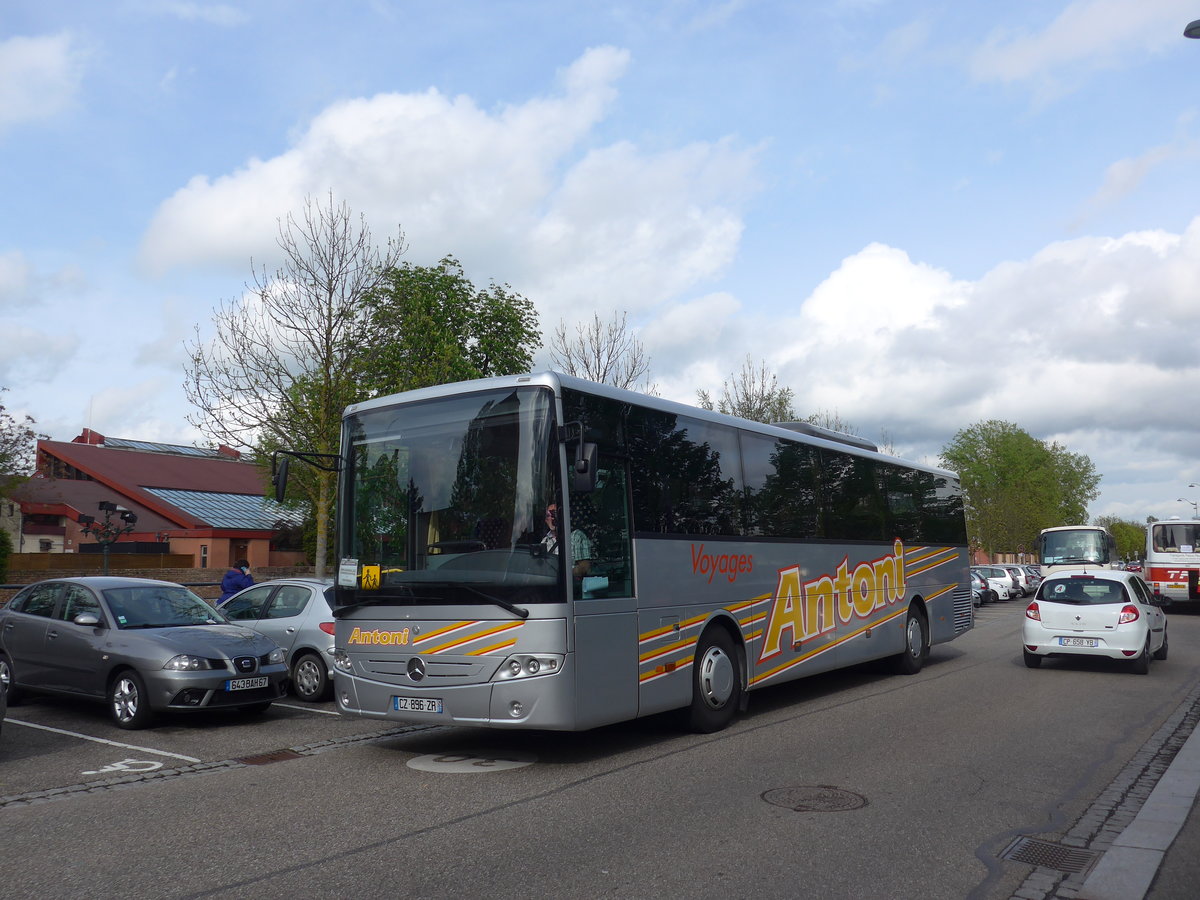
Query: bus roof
809,434
1075,528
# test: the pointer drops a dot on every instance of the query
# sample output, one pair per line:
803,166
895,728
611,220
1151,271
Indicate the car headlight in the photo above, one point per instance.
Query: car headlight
187,663
276,656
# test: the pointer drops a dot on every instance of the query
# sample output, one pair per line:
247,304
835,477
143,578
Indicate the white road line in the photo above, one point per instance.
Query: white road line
324,712
88,737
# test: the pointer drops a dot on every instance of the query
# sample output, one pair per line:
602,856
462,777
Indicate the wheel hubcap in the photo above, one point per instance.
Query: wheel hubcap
716,677
125,700
915,637
307,677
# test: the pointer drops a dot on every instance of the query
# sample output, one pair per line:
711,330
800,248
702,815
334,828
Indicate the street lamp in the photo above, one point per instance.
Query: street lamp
1195,506
108,532
1192,30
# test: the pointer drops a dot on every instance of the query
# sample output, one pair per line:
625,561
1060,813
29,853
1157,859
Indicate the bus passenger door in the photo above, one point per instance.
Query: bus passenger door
606,637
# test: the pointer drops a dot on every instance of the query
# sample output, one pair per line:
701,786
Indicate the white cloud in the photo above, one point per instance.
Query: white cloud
222,14
39,77
513,193
1092,34
32,355
1095,342
16,278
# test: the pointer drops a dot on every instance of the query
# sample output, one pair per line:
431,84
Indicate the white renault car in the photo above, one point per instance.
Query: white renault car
1095,612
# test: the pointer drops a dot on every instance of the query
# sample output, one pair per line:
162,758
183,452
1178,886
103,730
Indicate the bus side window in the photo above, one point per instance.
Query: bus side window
603,515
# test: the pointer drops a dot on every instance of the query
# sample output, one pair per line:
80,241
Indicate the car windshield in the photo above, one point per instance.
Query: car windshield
159,606
1083,591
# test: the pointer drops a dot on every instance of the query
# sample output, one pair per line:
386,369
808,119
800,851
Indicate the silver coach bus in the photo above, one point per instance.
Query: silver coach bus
540,551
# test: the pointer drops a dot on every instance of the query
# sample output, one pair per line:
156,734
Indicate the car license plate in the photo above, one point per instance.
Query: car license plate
246,684
417,704
1076,642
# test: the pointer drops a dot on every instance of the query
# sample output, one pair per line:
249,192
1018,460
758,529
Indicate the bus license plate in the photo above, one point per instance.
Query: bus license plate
246,684
417,704
1077,642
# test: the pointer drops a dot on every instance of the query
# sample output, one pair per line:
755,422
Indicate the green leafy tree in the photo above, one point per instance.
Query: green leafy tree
1016,485
1130,536
428,325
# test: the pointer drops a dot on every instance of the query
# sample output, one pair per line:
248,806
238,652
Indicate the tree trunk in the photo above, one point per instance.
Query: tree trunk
324,499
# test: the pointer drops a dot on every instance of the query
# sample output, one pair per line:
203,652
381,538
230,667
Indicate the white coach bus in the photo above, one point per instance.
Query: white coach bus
540,551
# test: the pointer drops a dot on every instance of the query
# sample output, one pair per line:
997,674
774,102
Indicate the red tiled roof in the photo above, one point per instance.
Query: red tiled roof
130,471
63,497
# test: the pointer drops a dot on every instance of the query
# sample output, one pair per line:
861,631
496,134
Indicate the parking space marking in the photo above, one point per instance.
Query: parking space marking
324,712
88,737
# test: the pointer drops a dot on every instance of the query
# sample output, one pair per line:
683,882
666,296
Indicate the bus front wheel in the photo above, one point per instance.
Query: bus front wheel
716,683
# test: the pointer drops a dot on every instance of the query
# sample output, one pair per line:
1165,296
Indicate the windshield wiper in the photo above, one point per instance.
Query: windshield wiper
518,611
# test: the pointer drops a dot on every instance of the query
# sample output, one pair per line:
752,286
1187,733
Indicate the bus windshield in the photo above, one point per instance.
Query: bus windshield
1075,545
446,500
1175,537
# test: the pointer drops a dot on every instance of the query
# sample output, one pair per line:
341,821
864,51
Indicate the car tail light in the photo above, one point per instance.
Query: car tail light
1032,612
1128,614
326,627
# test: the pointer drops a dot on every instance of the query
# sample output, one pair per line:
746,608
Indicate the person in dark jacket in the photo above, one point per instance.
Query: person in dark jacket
236,579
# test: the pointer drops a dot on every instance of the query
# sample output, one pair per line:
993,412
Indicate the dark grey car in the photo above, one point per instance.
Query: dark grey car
140,645
295,613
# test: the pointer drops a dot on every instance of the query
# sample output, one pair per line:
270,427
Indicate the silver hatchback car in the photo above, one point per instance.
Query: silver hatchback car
142,646
296,614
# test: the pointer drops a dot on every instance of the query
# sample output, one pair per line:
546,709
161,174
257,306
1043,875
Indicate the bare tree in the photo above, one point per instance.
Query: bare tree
276,373
17,443
752,393
606,353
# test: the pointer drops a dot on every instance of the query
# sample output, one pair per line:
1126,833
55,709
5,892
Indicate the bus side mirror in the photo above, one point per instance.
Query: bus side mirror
279,478
583,478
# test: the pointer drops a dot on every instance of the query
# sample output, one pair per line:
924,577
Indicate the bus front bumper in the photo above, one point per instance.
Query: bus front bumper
543,701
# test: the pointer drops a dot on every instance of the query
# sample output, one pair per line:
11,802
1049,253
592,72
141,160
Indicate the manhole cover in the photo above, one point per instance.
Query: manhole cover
1050,855
815,798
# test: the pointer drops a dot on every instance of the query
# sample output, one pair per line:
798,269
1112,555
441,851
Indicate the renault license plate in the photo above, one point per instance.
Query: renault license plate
417,704
246,684
1076,642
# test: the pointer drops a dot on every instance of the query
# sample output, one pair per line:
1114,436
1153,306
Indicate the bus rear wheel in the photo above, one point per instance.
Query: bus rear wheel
716,683
916,644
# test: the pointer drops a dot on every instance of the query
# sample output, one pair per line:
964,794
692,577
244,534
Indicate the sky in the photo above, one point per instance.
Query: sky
920,215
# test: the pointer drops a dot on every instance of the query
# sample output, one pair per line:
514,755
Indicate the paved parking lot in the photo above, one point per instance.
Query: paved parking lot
53,745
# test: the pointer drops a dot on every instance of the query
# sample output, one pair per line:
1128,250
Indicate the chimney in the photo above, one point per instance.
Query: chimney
89,437
228,451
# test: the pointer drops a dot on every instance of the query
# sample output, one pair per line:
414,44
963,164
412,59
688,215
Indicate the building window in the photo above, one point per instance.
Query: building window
45,546
204,556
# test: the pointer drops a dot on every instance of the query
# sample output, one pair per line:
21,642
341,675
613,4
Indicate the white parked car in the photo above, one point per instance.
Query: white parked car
1095,612
998,580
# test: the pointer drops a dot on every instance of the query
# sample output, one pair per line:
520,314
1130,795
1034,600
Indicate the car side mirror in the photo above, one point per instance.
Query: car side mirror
90,620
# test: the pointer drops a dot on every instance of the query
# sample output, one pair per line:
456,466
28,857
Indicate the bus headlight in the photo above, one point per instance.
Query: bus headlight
528,665
341,661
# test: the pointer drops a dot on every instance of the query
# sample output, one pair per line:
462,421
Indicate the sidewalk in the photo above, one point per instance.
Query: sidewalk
1144,827
1161,841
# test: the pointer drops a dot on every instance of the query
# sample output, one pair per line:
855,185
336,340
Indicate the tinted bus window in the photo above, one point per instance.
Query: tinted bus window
783,493
855,509
686,474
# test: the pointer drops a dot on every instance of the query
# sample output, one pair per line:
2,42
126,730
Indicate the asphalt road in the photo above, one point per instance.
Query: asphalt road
855,784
